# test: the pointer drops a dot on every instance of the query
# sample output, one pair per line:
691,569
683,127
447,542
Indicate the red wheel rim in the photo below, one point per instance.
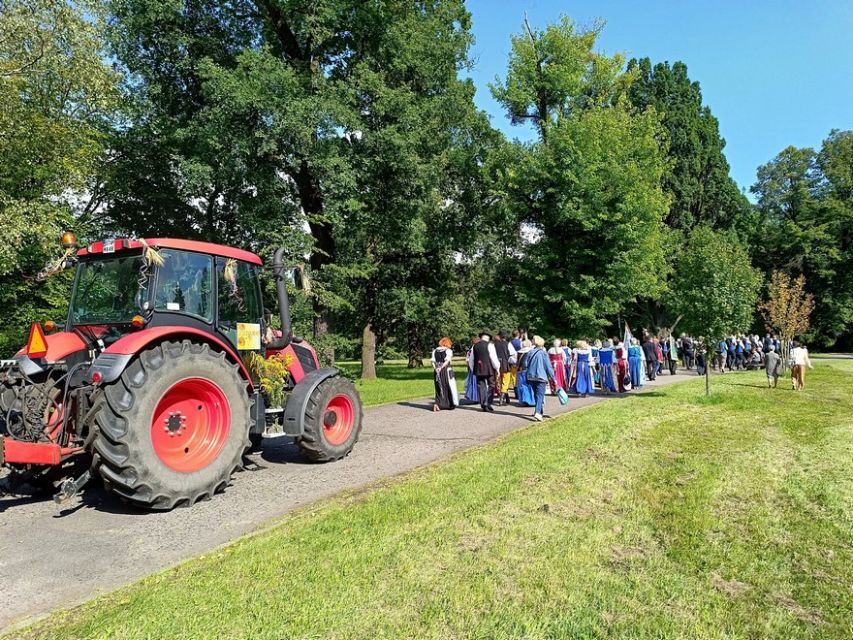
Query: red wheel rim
338,419
190,425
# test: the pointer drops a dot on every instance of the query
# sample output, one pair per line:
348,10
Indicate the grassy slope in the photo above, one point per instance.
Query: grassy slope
663,515
396,382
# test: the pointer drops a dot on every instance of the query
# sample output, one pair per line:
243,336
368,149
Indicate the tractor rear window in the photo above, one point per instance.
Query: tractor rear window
184,284
108,291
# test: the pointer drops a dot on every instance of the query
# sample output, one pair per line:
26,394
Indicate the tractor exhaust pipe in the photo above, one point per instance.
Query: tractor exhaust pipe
283,301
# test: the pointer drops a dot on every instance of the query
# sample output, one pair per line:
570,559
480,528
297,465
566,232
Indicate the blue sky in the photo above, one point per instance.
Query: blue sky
774,73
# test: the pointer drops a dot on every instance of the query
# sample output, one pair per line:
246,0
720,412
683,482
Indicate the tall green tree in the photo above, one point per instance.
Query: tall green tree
586,196
58,97
697,179
714,288
805,198
260,115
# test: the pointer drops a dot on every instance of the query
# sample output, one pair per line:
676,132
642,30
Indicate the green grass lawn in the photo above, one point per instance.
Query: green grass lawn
395,381
663,515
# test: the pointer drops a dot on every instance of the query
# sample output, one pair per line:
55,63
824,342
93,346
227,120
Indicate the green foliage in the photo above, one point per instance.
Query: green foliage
29,238
58,95
586,197
697,178
344,119
715,288
806,203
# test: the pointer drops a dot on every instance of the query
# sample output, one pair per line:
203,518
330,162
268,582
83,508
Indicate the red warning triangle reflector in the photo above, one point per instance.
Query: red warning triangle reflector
37,344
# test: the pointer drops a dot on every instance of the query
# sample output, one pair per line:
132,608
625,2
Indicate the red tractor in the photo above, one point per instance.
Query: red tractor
150,384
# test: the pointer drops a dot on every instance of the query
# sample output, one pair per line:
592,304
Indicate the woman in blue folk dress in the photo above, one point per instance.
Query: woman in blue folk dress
582,364
523,390
471,392
606,367
635,364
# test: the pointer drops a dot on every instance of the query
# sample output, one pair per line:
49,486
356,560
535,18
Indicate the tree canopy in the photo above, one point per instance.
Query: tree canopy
585,198
58,95
715,288
805,199
697,179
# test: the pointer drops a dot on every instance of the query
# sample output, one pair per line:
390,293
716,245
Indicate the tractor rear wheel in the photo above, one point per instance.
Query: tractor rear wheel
332,421
172,429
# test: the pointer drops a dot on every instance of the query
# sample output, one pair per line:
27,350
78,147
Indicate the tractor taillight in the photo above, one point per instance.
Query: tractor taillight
49,325
137,322
97,377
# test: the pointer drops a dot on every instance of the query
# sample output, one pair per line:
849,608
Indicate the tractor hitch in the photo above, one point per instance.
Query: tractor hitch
71,488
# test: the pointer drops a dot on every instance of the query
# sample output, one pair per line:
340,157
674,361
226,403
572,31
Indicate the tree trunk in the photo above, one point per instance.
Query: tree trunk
368,353
416,356
324,251
785,352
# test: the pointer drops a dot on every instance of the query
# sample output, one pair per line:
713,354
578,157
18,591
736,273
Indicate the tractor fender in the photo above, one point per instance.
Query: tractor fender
297,403
115,358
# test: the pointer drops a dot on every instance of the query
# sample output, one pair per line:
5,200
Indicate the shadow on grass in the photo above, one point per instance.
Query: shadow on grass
744,384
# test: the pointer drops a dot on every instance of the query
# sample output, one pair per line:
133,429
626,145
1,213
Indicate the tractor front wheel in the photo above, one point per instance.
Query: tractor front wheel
332,421
172,429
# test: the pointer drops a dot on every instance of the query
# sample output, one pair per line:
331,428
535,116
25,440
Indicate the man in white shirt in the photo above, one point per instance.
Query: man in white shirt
799,360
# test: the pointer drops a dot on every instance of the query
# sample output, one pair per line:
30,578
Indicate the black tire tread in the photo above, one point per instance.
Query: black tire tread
112,456
311,443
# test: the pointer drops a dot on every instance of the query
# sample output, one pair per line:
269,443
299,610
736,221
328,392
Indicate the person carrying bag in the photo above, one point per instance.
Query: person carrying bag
539,373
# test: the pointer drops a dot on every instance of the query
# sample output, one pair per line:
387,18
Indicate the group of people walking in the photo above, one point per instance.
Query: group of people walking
513,362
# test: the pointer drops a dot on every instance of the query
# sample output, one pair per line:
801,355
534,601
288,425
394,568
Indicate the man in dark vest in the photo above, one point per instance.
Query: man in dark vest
484,364
688,349
651,353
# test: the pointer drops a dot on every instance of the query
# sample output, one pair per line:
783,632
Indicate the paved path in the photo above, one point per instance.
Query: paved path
52,556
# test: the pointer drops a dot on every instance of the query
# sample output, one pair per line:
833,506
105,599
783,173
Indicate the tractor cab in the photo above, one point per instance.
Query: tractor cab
123,286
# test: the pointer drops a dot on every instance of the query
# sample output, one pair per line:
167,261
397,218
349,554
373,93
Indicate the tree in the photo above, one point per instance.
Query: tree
701,190
290,114
58,96
714,288
697,180
806,203
585,198
787,309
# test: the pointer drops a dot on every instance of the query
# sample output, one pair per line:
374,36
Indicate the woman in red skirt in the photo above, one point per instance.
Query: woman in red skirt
558,361
621,365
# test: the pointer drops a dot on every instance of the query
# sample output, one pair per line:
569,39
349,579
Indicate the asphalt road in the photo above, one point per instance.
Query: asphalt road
53,556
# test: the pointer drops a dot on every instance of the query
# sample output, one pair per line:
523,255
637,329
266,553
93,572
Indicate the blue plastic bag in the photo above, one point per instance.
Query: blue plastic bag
562,396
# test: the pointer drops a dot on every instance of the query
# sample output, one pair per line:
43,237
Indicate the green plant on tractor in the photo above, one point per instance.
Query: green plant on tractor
145,386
